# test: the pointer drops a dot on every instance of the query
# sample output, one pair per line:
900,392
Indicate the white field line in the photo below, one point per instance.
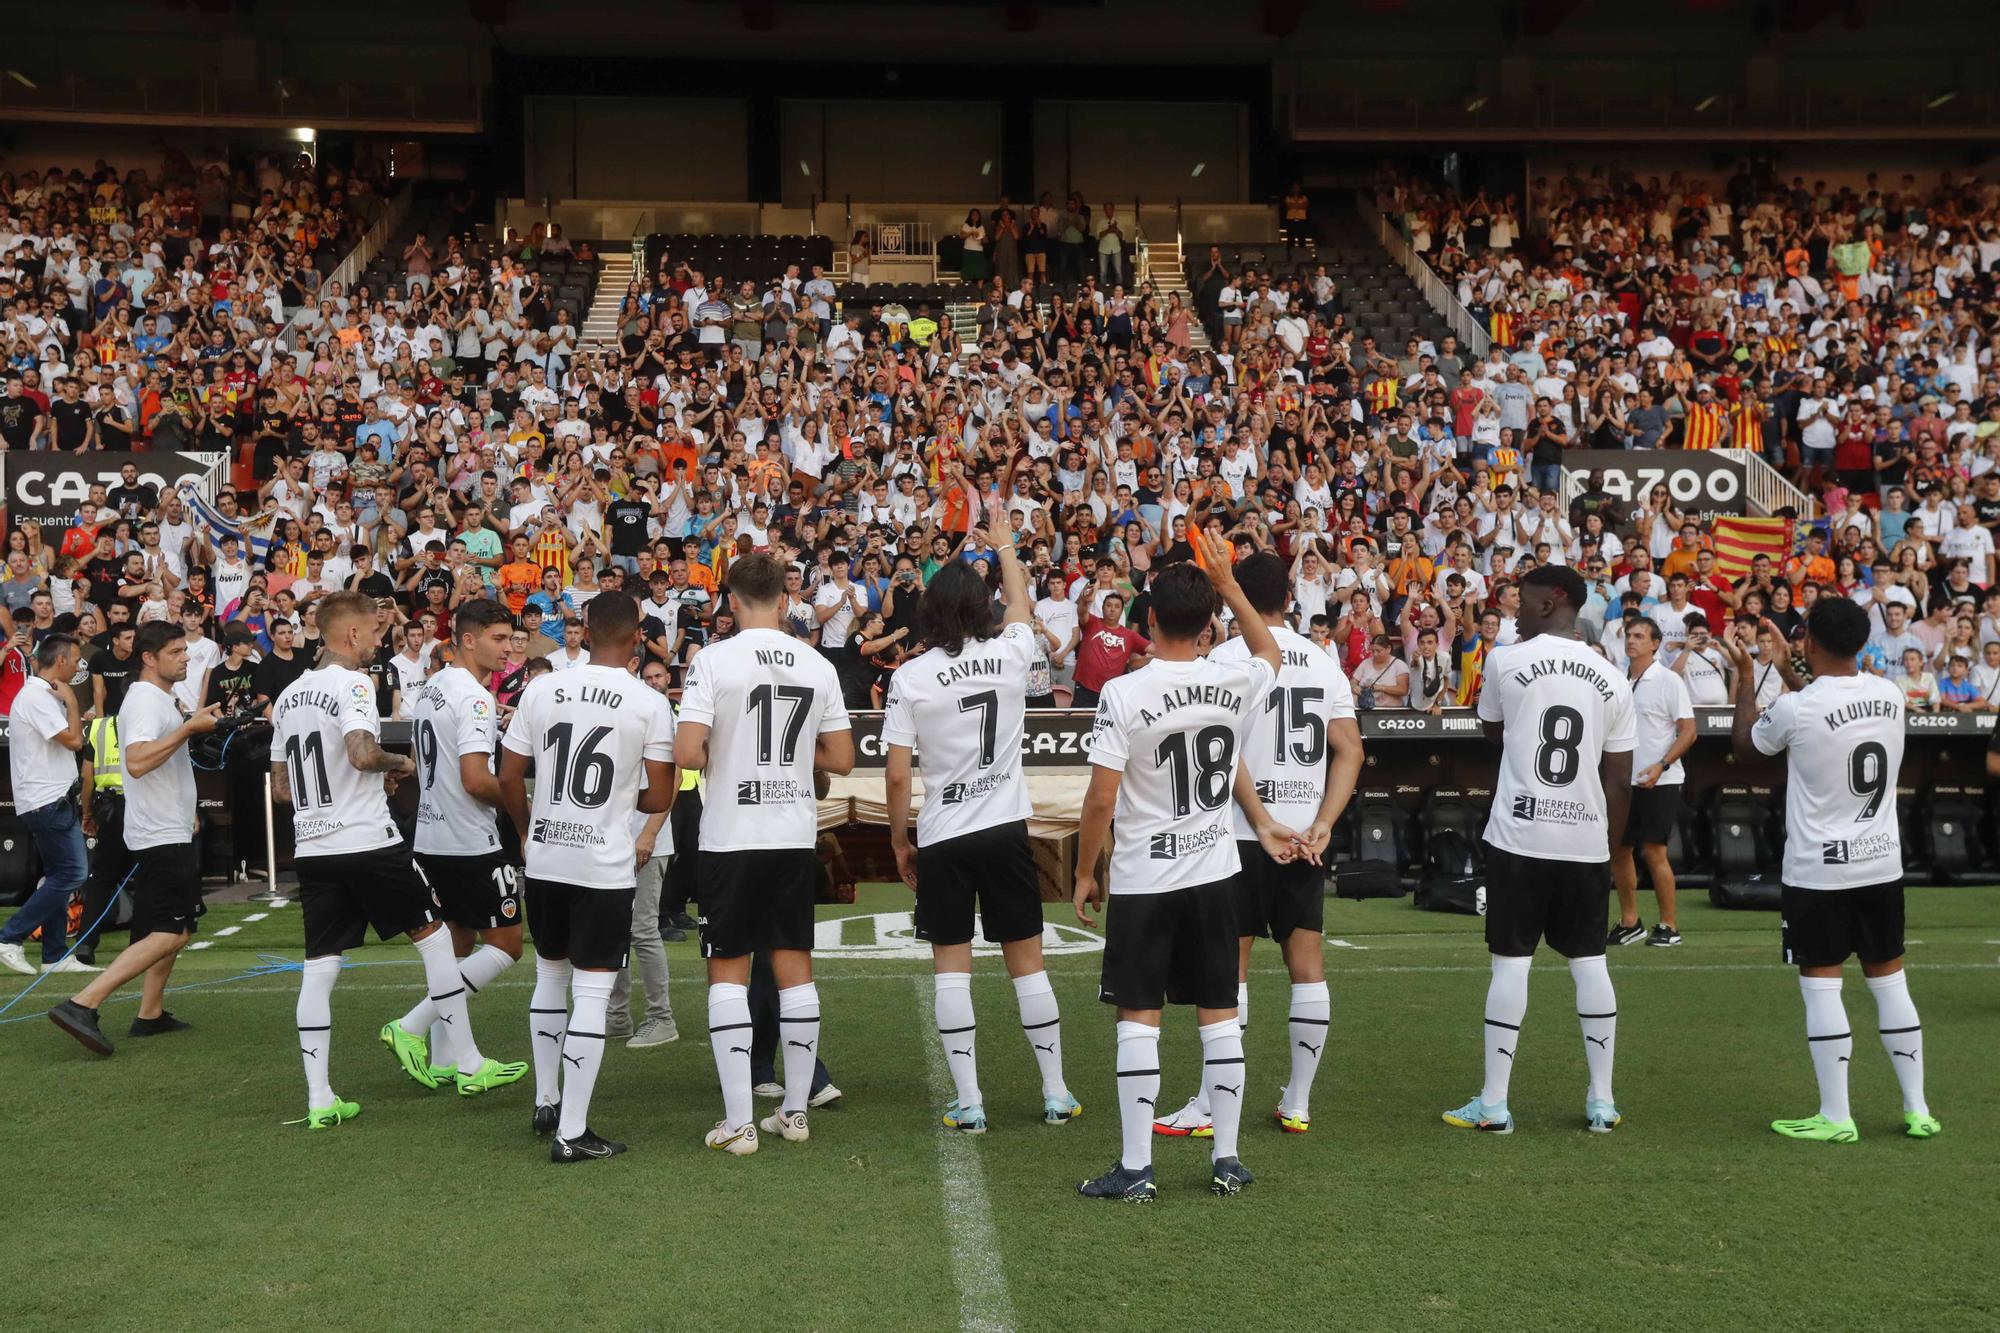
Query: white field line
983,1303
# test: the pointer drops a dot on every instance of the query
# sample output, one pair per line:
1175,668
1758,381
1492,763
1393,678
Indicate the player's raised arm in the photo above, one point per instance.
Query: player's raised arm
1217,561
1745,717
1013,578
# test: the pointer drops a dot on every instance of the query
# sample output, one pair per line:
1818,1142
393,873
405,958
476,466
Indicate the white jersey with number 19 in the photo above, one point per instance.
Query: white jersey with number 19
590,731
335,807
766,699
970,711
1564,708
1844,735
1175,729
453,716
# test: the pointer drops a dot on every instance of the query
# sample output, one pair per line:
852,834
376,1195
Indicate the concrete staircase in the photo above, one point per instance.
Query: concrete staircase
613,277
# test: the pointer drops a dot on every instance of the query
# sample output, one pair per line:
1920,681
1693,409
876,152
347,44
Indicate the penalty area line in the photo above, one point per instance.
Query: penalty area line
984,1305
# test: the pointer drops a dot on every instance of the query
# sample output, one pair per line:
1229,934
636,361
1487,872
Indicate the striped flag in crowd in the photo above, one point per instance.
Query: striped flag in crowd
1738,541
255,534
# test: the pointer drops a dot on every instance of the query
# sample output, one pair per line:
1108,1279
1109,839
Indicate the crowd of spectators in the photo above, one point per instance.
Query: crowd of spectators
454,436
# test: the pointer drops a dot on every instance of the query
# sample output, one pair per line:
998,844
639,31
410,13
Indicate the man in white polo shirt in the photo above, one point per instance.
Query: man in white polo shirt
45,730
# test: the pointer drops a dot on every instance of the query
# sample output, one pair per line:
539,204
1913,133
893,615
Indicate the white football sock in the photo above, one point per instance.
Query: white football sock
957,1030
729,1038
479,969
1311,1019
1506,1006
548,1019
1831,1042
1597,1015
447,990
443,1050
798,1029
1041,1019
315,1020
583,1047
1902,1036
1222,1075
1138,1089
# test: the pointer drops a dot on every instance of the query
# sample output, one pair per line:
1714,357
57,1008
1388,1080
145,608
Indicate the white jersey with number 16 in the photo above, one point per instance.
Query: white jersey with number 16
589,731
1564,708
1844,735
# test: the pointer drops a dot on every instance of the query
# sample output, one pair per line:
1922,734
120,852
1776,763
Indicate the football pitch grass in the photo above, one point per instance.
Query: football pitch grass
160,1190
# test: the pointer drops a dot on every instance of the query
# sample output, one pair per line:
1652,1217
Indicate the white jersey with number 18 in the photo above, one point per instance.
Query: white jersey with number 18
969,712
1564,708
453,716
1285,747
335,807
1844,735
1175,729
589,731
766,699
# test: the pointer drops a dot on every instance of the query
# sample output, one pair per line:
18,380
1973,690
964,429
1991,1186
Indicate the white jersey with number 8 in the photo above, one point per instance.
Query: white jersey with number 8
590,731
1844,735
766,699
1564,708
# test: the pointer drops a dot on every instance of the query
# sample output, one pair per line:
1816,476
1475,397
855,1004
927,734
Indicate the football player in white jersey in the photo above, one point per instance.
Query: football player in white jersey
1301,757
454,730
354,868
1563,718
1842,736
965,699
1163,755
761,713
1664,719
603,746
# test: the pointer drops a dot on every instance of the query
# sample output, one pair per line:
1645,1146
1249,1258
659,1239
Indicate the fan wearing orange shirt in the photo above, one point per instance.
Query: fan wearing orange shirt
517,580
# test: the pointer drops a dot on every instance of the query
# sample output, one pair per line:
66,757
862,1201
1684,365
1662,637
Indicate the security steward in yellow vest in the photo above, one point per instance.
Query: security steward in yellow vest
104,820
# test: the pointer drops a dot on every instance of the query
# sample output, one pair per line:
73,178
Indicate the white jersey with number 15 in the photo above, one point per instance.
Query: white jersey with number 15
1564,708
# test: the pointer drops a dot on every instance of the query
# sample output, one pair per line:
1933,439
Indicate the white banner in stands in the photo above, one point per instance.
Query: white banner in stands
893,935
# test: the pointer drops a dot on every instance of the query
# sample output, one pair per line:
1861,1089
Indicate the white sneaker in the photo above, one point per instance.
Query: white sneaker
790,1124
655,1032
1188,1122
70,964
15,959
769,1090
736,1142
826,1096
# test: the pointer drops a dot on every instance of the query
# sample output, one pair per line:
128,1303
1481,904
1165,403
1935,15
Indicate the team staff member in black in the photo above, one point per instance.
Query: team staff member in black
160,829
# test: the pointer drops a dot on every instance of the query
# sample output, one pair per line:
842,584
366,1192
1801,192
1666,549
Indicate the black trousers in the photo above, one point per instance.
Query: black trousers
685,823
764,1066
109,863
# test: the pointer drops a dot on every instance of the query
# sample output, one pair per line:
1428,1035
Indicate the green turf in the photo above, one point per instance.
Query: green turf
159,1190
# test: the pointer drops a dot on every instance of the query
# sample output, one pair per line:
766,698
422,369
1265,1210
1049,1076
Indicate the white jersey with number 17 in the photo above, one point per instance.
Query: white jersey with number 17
1564,708
1844,738
590,731
970,712
766,699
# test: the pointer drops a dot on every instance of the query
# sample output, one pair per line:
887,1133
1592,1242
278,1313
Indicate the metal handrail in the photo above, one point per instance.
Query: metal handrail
350,268
1441,298
1768,489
